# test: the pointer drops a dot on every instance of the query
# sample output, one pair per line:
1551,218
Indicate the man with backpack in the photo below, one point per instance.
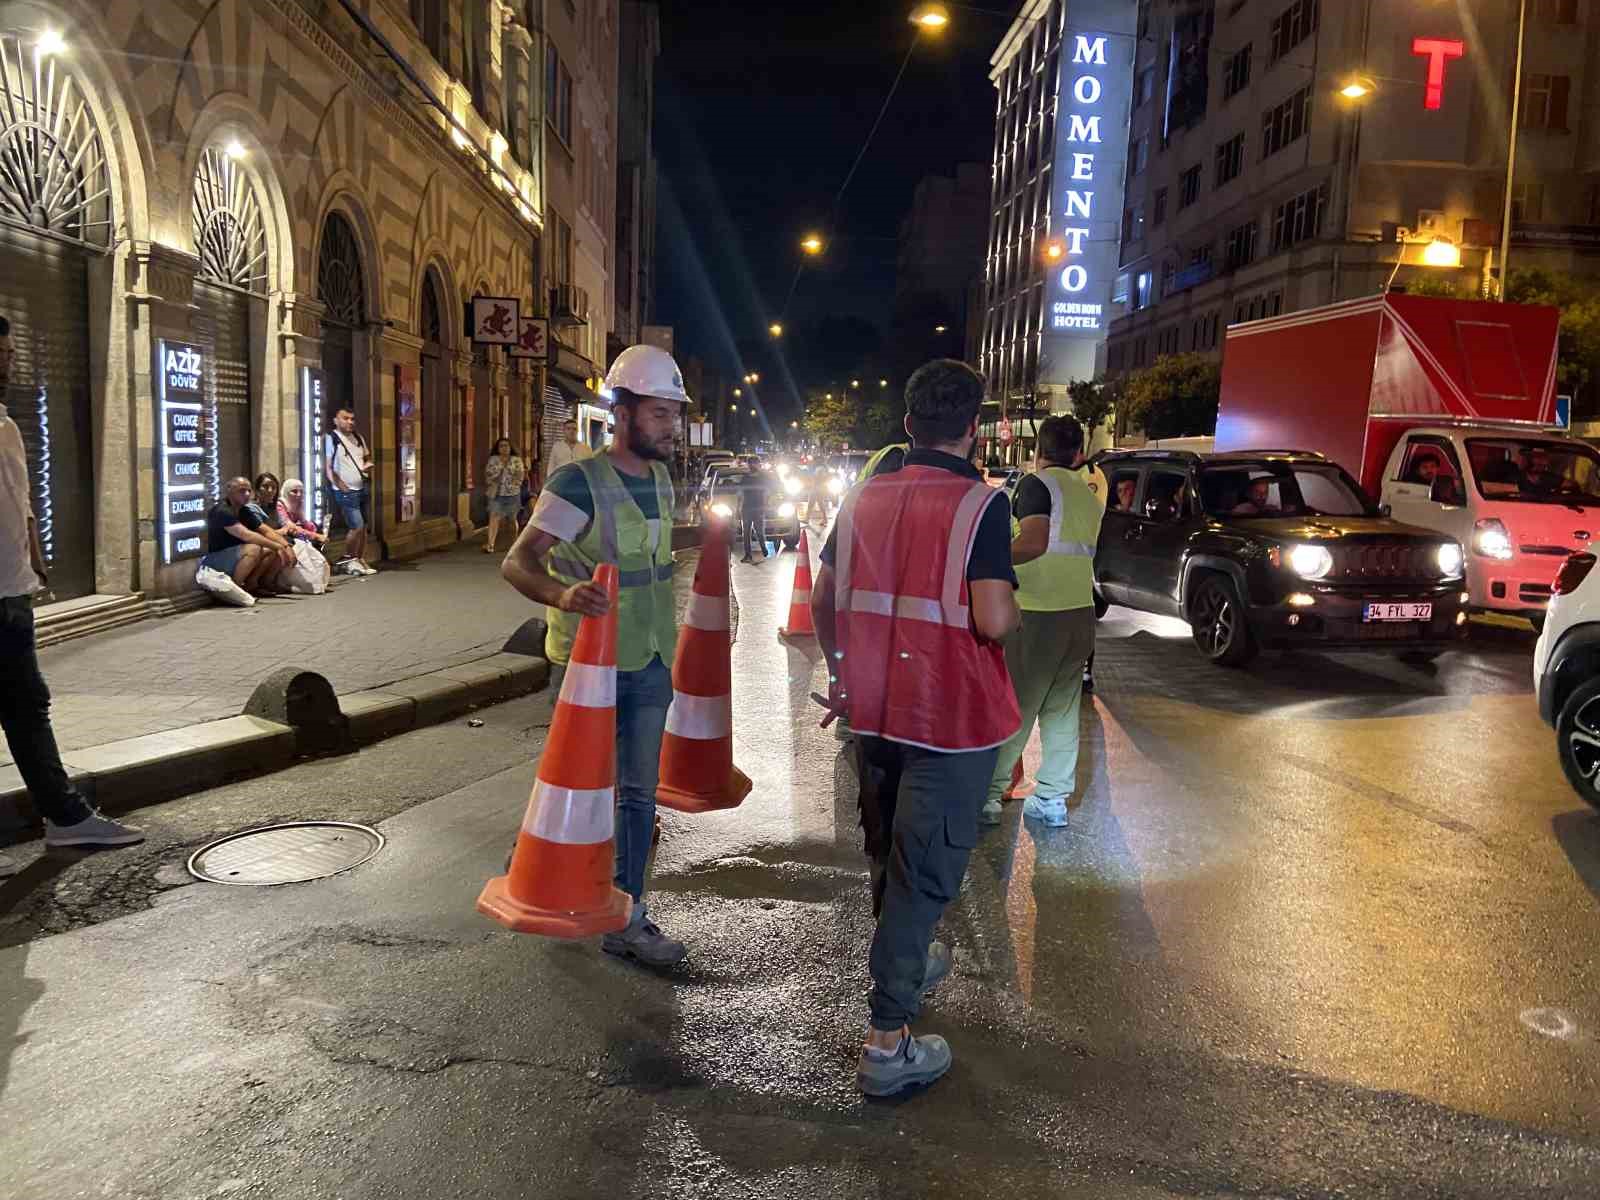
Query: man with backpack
347,466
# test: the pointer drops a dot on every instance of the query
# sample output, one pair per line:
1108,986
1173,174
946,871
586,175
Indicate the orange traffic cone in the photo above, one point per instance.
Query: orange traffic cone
800,625
560,881
697,771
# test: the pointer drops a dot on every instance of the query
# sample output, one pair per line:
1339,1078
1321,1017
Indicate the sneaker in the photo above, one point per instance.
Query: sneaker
914,1061
1050,811
345,566
8,865
357,567
644,942
93,830
1088,682
990,815
940,961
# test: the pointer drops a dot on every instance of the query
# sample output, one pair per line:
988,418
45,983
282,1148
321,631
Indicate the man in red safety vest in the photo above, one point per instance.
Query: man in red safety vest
913,596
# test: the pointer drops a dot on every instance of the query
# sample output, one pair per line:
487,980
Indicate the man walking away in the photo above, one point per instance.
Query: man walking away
616,507
348,467
753,512
24,698
1059,520
565,449
913,597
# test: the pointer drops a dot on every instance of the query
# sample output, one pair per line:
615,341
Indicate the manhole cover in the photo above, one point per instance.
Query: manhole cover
290,853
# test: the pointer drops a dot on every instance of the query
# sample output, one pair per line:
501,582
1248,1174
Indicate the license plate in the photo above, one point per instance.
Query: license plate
1397,612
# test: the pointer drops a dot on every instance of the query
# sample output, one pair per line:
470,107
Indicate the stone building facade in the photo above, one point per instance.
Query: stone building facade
220,221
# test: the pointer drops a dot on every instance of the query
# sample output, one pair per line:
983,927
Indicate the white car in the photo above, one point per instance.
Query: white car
1566,672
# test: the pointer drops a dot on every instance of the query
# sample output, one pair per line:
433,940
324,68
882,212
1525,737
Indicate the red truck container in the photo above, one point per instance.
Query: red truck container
1443,409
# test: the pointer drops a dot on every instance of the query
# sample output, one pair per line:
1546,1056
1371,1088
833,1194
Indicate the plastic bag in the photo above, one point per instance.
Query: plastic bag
222,587
310,574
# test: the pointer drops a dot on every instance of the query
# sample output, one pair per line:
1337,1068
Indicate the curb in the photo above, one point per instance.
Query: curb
118,776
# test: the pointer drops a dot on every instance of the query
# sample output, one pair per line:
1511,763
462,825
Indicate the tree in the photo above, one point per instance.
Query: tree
1176,396
881,423
1578,355
1094,401
831,420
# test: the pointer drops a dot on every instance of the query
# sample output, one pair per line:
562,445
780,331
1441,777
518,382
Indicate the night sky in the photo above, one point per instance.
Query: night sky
761,107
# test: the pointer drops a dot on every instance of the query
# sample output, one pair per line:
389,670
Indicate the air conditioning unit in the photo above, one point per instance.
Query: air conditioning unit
569,305
1430,223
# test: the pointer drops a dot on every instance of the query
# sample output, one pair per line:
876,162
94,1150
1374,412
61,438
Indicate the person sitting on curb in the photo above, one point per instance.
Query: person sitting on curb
265,506
292,510
234,544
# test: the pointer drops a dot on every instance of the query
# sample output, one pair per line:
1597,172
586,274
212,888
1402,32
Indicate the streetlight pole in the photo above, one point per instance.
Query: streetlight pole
1511,154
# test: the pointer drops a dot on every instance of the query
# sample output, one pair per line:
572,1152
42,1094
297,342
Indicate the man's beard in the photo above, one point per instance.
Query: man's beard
647,449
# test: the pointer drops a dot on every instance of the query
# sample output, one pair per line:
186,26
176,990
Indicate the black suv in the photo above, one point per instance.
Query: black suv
1272,549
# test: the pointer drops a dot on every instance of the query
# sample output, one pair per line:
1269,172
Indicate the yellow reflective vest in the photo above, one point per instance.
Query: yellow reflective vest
1063,576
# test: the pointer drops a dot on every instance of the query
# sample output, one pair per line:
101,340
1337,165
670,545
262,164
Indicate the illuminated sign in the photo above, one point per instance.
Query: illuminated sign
184,437
1437,51
311,442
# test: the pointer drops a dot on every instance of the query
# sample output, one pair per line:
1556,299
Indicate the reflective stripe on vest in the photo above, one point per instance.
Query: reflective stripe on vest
1058,507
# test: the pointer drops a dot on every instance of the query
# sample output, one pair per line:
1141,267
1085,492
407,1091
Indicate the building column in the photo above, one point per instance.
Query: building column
399,358
296,338
463,409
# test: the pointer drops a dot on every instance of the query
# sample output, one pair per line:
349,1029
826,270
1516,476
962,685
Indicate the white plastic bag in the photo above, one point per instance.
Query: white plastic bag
223,587
310,573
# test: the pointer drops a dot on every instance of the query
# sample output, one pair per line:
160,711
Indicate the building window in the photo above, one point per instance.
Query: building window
1141,290
1169,271
1133,223
1119,289
560,250
1236,72
558,95
1158,210
426,16
1241,246
1527,203
1544,102
1298,219
1189,187
1138,155
1144,20
1287,123
1293,26
1230,158
1556,12
1144,87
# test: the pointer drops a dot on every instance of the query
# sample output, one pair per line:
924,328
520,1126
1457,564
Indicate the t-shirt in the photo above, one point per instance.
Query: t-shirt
566,506
1032,498
991,548
346,454
17,577
222,518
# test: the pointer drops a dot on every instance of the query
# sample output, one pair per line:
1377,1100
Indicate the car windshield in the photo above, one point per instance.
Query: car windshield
1274,489
1534,469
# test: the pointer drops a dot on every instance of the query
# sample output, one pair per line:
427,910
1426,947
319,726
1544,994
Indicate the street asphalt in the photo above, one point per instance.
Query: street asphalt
1323,928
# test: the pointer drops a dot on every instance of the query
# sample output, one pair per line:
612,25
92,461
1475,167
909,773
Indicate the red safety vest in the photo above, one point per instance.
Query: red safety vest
910,666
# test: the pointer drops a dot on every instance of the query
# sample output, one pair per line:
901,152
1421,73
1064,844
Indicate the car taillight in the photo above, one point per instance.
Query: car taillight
1573,572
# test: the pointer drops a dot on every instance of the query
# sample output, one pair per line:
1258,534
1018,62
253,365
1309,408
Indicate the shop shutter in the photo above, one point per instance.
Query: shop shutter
44,293
222,323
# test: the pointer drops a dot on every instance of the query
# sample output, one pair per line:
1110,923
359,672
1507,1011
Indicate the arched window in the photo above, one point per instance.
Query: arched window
228,228
339,281
430,327
52,164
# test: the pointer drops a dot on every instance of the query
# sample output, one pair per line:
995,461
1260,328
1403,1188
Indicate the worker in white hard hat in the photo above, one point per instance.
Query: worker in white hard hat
616,507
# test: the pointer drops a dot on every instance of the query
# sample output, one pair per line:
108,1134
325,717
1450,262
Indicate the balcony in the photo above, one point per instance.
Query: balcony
569,306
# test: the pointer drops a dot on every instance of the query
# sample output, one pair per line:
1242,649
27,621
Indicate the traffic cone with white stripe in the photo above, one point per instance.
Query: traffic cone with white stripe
560,880
800,626
697,771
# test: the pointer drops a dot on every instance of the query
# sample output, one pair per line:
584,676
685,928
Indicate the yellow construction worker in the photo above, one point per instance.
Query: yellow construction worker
891,458
1058,524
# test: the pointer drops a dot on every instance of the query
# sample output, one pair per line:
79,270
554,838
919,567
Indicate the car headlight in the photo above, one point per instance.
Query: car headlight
786,510
721,510
1309,561
835,486
1490,539
1450,560
792,486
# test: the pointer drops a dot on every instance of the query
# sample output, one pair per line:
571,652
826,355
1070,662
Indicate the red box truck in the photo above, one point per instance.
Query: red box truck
1444,409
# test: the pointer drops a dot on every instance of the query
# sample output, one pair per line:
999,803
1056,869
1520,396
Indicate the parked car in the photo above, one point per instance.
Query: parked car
723,494
1566,672
1272,550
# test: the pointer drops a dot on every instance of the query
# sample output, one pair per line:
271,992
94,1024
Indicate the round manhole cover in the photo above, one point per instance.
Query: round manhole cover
292,853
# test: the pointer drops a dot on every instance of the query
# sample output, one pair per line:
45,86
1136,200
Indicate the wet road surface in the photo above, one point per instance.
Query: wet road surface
1325,927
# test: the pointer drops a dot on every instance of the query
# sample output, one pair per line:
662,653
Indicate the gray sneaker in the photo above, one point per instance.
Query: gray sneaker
644,942
990,813
940,961
8,865
914,1061
1052,811
93,830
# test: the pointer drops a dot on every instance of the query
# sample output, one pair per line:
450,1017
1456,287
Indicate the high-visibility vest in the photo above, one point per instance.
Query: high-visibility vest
647,623
872,463
910,667
1063,576
1095,480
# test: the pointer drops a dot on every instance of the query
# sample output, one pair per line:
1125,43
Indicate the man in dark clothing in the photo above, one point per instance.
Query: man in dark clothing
917,662
753,513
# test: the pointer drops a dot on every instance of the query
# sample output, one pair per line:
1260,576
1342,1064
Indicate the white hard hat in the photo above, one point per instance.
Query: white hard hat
648,371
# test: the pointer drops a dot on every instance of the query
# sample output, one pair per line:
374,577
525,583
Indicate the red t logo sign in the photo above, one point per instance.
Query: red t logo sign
1436,50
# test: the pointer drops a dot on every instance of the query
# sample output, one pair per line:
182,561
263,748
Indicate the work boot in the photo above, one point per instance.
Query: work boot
93,830
8,865
644,942
940,962
1052,812
914,1061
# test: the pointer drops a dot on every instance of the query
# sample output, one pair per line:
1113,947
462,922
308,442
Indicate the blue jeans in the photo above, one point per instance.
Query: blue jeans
642,700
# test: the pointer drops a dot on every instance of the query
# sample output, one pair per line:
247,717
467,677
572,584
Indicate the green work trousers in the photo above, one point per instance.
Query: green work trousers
1046,658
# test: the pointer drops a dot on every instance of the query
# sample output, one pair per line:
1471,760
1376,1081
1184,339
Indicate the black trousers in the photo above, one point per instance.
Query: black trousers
921,828
25,716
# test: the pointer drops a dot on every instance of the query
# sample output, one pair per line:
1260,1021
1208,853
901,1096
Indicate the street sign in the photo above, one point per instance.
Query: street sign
1564,411
533,342
494,320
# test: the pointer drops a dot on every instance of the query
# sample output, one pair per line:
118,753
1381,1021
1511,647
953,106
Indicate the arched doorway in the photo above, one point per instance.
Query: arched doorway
55,215
230,297
341,286
434,387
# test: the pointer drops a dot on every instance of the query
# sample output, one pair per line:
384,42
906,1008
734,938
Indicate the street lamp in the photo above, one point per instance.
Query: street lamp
855,383
1053,251
930,17
941,328
737,392
1358,87
883,383
755,376
811,244
775,329
50,44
